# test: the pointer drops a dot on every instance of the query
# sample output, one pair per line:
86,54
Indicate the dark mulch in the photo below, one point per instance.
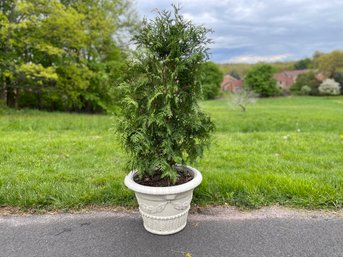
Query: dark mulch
157,181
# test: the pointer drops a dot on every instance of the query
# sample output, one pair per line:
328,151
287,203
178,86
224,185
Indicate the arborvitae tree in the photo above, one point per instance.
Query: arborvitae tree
162,124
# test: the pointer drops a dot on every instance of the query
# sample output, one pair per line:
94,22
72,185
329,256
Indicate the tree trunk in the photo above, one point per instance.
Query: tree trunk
3,92
11,94
243,107
11,98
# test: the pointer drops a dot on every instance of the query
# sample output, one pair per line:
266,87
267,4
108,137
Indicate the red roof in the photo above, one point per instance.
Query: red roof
230,83
286,79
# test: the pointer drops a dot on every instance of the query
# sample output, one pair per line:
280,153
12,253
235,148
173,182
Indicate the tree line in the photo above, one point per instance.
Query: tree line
71,55
324,76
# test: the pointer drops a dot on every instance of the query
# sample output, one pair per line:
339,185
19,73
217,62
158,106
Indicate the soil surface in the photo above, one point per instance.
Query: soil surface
157,181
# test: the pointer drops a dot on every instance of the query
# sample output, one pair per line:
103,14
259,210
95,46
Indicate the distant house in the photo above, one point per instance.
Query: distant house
286,79
231,84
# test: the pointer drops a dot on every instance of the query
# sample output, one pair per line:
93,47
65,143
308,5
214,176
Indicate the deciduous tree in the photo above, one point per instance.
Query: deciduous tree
61,54
330,63
260,80
303,64
211,79
329,87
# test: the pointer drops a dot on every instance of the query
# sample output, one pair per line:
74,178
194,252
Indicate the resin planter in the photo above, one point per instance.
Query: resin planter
164,209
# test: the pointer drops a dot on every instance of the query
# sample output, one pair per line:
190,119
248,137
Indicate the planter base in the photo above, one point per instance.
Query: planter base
164,225
164,209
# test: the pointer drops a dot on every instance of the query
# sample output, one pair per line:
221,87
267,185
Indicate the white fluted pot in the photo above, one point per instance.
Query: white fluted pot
164,209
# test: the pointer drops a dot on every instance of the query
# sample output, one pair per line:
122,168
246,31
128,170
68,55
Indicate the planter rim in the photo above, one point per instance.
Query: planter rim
190,185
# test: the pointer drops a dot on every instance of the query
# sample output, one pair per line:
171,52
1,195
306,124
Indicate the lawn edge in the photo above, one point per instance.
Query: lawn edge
201,212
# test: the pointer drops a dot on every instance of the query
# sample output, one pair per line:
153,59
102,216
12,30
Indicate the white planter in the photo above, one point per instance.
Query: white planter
164,209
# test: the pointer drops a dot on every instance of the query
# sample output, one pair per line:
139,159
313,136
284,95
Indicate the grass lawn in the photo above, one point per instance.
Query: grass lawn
284,151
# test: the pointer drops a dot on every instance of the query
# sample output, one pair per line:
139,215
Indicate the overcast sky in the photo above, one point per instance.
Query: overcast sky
262,30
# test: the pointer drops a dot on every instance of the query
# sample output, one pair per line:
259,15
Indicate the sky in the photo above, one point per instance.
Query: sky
250,31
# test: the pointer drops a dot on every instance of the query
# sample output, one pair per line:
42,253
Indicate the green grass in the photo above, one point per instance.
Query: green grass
284,151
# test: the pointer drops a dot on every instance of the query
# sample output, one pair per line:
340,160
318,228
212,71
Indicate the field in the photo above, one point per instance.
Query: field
286,151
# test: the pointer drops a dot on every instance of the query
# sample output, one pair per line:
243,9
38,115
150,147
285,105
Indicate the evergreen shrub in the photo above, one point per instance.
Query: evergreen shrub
161,122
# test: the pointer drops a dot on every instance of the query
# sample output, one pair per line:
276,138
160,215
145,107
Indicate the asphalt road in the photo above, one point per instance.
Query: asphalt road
122,234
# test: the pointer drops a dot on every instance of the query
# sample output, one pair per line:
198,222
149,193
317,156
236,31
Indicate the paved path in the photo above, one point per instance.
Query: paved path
122,234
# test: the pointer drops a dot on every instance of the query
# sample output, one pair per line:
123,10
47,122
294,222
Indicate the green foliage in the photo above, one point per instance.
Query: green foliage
306,79
338,76
305,90
64,54
260,80
330,63
162,124
303,64
211,80
235,74
316,55
242,68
